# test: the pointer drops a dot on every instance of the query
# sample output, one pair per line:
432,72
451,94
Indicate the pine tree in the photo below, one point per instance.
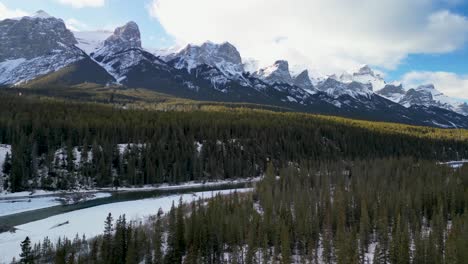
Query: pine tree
157,239
26,252
172,255
120,246
107,239
180,229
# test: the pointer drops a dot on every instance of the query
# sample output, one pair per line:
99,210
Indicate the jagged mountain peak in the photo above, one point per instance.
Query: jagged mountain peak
336,88
365,70
302,74
393,92
125,37
364,75
224,56
223,51
42,14
282,65
30,38
303,80
428,87
423,95
33,46
276,73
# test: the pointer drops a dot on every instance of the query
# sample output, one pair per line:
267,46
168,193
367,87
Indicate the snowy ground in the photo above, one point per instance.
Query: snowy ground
22,204
9,207
187,185
13,203
90,221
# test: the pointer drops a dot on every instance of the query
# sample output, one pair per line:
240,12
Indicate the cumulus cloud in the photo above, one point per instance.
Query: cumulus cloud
5,12
83,3
449,83
325,35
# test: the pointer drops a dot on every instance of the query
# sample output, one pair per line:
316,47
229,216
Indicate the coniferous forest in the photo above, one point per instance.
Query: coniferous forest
334,190
58,145
380,211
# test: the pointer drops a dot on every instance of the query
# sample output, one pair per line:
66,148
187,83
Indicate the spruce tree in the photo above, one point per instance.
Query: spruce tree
26,255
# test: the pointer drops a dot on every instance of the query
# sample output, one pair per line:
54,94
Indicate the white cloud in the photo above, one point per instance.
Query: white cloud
83,3
76,25
449,83
5,12
325,35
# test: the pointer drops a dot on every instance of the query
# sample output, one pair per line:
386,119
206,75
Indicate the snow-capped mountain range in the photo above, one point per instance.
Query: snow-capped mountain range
426,95
40,49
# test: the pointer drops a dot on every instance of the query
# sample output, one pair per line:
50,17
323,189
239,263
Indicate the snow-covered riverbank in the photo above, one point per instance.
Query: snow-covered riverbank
90,221
185,185
14,205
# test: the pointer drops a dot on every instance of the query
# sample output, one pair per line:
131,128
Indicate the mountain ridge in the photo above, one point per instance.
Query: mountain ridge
208,71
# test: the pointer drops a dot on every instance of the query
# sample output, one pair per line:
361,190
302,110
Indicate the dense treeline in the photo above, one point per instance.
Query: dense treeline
180,146
384,211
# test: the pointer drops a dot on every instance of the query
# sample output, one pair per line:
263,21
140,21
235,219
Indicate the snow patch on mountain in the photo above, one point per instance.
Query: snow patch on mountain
121,51
392,92
335,88
224,57
20,70
423,95
364,75
90,41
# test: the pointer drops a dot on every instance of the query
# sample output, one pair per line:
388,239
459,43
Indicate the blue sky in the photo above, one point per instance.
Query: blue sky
410,41
456,61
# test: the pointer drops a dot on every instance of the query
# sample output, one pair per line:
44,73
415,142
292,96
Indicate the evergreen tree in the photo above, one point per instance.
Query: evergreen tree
157,239
26,256
106,247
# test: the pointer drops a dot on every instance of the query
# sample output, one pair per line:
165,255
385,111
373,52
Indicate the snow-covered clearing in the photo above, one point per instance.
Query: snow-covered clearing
90,221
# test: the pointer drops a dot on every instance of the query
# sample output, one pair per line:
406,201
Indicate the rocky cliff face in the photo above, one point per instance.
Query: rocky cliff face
34,36
33,46
303,80
277,73
392,92
122,52
224,57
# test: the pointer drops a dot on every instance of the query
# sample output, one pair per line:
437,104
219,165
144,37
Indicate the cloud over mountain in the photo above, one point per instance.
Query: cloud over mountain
330,35
449,83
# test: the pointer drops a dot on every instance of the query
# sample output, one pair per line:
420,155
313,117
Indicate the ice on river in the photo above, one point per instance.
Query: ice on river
17,204
90,221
